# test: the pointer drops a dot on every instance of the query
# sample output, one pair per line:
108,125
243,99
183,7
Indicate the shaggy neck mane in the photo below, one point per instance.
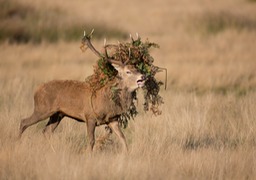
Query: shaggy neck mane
121,94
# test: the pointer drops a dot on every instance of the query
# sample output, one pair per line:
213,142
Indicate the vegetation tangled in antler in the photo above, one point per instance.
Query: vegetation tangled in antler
134,53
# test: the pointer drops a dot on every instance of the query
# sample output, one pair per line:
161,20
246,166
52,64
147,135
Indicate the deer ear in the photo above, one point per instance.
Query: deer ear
116,66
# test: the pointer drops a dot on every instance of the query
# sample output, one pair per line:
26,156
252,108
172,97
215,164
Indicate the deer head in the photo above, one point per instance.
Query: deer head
129,76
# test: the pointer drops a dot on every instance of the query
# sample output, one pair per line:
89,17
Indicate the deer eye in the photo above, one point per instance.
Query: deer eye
128,72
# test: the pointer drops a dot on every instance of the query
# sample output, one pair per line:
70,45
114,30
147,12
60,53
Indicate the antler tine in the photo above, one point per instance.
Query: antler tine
90,35
105,48
105,42
129,56
138,37
131,38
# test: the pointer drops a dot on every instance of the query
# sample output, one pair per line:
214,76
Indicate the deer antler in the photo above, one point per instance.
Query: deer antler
160,69
87,41
156,69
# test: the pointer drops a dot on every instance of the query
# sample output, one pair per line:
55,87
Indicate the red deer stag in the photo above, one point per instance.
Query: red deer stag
59,98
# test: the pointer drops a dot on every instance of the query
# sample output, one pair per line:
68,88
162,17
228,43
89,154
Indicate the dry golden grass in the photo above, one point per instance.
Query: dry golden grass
208,126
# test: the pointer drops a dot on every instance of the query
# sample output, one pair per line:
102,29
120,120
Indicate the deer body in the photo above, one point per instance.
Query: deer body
75,99
89,105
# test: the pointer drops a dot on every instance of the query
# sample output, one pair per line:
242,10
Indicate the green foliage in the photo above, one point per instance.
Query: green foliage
151,95
106,68
130,114
135,53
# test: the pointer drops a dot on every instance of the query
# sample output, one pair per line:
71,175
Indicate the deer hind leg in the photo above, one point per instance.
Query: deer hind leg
116,128
33,119
53,122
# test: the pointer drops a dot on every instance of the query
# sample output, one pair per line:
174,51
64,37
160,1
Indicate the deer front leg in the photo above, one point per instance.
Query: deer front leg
91,134
116,128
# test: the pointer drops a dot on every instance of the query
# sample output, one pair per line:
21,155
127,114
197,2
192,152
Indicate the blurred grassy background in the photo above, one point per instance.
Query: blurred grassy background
208,126
23,23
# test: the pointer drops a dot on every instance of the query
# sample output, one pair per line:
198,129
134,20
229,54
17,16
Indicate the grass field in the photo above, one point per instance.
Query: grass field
207,129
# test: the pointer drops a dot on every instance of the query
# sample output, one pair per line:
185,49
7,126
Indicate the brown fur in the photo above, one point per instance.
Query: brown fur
59,98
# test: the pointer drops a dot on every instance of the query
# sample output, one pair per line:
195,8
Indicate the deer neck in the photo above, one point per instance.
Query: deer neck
126,89
125,95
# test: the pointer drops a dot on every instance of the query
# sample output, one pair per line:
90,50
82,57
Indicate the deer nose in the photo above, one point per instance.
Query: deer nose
143,77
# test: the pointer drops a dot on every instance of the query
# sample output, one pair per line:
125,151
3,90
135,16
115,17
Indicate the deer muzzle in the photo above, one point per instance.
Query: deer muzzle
141,81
